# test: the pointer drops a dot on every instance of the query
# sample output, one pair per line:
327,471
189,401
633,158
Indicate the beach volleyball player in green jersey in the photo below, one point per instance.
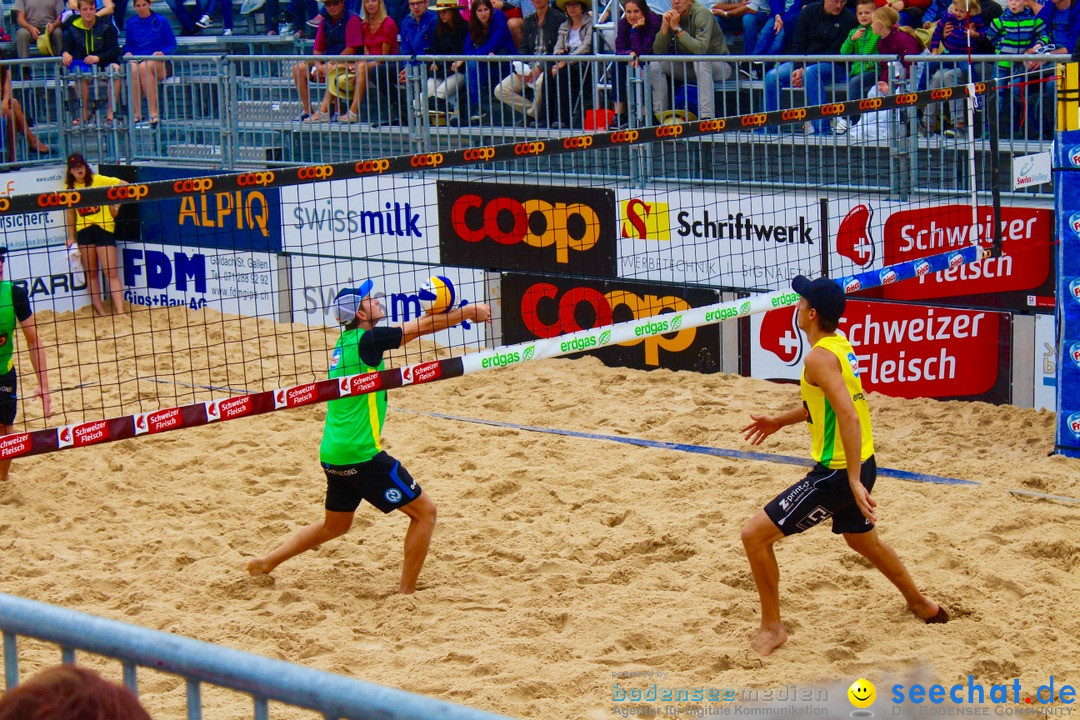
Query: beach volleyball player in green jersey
836,412
356,466
15,311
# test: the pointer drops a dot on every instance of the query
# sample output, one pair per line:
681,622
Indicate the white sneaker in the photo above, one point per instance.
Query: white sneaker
205,22
226,32
841,126
315,21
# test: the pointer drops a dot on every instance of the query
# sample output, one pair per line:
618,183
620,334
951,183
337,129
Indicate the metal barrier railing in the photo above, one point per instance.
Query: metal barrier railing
239,111
199,663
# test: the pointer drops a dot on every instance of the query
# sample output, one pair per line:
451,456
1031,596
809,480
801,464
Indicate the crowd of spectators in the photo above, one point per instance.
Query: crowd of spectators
558,92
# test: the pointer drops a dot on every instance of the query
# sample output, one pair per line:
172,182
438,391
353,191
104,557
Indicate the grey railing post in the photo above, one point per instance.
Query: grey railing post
230,136
418,122
11,660
194,700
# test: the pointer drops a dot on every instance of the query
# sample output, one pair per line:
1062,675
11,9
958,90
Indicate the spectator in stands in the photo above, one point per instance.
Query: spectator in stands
449,39
937,9
893,39
35,17
417,31
862,75
189,25
147,33
488,36
92,43
16,302
515,18
569,81
103,9
524,91
961,29
212,7
93,229
380,38
752,14
911,11
688,28
820,30
1014,32
1062,20
634,36
776,34
70,692
340,33
12,109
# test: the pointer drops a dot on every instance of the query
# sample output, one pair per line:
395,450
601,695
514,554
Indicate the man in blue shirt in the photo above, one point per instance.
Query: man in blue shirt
417,32
1062,21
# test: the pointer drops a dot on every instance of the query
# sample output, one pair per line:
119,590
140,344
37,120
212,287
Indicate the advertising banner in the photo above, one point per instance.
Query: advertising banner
1067,192
246,218
234,283
541,306
558,230
719,239
37,229
316,281
390,218
876,235
904,350
1045,362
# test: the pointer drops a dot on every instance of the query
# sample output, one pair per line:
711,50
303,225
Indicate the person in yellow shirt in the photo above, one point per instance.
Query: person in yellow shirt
842,445
94,230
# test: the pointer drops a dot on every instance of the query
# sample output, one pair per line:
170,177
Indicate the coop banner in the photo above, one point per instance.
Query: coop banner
543,306
535,228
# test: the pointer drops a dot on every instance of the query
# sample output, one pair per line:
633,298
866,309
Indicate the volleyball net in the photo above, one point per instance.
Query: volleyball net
228,281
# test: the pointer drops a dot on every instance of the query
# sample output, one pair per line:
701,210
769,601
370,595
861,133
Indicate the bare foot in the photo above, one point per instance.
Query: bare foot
930,612
768,639
259,566
99,310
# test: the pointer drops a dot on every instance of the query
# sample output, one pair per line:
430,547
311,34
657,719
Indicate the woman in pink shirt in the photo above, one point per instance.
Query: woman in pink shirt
380,38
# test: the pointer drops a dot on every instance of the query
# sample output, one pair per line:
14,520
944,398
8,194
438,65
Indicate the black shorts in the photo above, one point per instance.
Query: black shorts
9,397
822,494
382,481
95,235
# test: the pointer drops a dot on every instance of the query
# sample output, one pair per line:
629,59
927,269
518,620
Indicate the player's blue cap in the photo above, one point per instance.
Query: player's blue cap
823,294
348,300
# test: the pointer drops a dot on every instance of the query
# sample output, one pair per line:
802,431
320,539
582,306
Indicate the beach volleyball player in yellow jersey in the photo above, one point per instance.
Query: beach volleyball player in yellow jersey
839,485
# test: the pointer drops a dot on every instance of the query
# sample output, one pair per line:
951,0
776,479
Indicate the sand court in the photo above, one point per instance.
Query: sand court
558,560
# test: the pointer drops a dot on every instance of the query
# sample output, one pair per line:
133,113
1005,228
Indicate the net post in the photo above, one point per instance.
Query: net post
992,121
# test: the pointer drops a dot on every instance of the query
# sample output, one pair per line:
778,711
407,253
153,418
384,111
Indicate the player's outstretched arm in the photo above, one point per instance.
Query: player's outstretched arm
427,324
765,425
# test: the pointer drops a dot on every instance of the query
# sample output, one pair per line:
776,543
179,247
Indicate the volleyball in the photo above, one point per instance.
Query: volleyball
436,294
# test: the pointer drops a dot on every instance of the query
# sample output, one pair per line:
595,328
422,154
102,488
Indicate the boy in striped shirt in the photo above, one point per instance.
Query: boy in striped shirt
1013,33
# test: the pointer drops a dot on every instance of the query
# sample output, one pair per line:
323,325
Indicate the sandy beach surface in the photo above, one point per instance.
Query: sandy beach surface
559,560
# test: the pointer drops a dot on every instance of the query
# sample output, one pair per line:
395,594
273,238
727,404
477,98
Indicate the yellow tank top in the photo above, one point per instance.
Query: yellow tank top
827,447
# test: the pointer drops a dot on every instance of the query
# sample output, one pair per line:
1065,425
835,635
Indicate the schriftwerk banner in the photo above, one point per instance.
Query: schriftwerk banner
1067,192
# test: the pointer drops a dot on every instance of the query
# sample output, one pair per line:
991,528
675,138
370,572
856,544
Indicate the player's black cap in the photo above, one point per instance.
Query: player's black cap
823,294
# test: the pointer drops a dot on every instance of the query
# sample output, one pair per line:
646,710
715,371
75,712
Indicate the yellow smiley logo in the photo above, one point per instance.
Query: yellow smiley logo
862,693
